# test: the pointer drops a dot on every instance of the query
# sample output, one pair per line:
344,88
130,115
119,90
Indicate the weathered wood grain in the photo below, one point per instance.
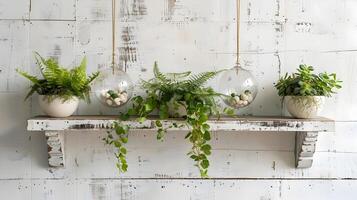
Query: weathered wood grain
183,189
55,148
222,124
305,147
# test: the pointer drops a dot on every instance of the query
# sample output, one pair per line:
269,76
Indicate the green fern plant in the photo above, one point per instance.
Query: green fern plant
173,90
60,82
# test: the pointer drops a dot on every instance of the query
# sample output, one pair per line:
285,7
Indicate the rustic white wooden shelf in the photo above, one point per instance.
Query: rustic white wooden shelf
305,143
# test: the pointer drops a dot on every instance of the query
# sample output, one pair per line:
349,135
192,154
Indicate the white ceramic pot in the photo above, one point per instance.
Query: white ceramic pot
57,107
304,107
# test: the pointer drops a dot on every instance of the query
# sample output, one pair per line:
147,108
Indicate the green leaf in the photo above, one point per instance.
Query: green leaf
124,167
120,130
228,111
207,136
188,135
203,173
124,140
206,127
123,150
164,111
204,164
194,157
117,144
158,123
148,107
124,117
203,118
160,134
206,147
141,119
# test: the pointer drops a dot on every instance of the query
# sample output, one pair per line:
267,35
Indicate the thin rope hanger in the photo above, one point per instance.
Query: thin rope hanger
113,34
238,32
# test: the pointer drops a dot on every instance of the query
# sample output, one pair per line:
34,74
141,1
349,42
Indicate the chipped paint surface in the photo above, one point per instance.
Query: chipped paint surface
55,148
265,124
196,35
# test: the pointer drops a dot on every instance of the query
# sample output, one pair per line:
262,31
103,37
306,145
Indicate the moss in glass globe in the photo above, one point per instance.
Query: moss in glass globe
239,87
113,88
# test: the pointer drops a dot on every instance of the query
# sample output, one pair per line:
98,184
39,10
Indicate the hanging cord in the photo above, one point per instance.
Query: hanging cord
238,31
113,35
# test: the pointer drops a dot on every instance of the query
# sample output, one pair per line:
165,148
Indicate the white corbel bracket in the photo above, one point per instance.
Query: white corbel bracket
305,146
55,148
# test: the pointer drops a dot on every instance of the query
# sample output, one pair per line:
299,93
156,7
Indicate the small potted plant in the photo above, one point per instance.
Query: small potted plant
60,89
304,92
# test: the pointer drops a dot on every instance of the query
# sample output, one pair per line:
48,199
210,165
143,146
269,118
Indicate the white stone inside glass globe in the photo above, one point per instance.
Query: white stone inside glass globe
239,86
113,88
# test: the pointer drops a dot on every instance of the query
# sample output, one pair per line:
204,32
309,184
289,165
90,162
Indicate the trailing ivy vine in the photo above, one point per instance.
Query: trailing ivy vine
170,94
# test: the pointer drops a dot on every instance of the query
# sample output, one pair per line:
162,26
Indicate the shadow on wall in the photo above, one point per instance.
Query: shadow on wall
16,144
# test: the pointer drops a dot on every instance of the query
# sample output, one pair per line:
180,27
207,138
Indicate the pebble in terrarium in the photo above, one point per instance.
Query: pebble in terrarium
240,100
113,89
239,87
114,97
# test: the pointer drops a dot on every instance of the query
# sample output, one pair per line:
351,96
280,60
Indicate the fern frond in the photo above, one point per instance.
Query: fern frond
79,76
159,75
178,76
33,79
40,62
92,77
33,89
200,79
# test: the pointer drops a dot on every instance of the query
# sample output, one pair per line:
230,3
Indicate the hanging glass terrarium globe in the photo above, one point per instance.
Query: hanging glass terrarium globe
113,87
239,87
237,84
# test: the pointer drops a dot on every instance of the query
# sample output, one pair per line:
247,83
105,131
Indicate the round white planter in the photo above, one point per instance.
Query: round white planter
57,107
304,107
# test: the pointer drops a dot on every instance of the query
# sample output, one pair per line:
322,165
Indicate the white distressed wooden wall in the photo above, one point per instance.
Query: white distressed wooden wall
197,35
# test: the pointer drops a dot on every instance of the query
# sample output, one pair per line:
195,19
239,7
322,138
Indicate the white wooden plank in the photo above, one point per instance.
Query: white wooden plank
319,189
15,189
223,124
14,45
53,10
183,189
94,10
53,189
343,140
15,143
53,39
15,9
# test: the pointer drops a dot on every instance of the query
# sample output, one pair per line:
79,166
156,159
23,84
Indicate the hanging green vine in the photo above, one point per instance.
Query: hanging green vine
171,94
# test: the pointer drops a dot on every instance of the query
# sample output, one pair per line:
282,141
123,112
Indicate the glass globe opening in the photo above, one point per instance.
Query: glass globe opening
113,88
239,87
